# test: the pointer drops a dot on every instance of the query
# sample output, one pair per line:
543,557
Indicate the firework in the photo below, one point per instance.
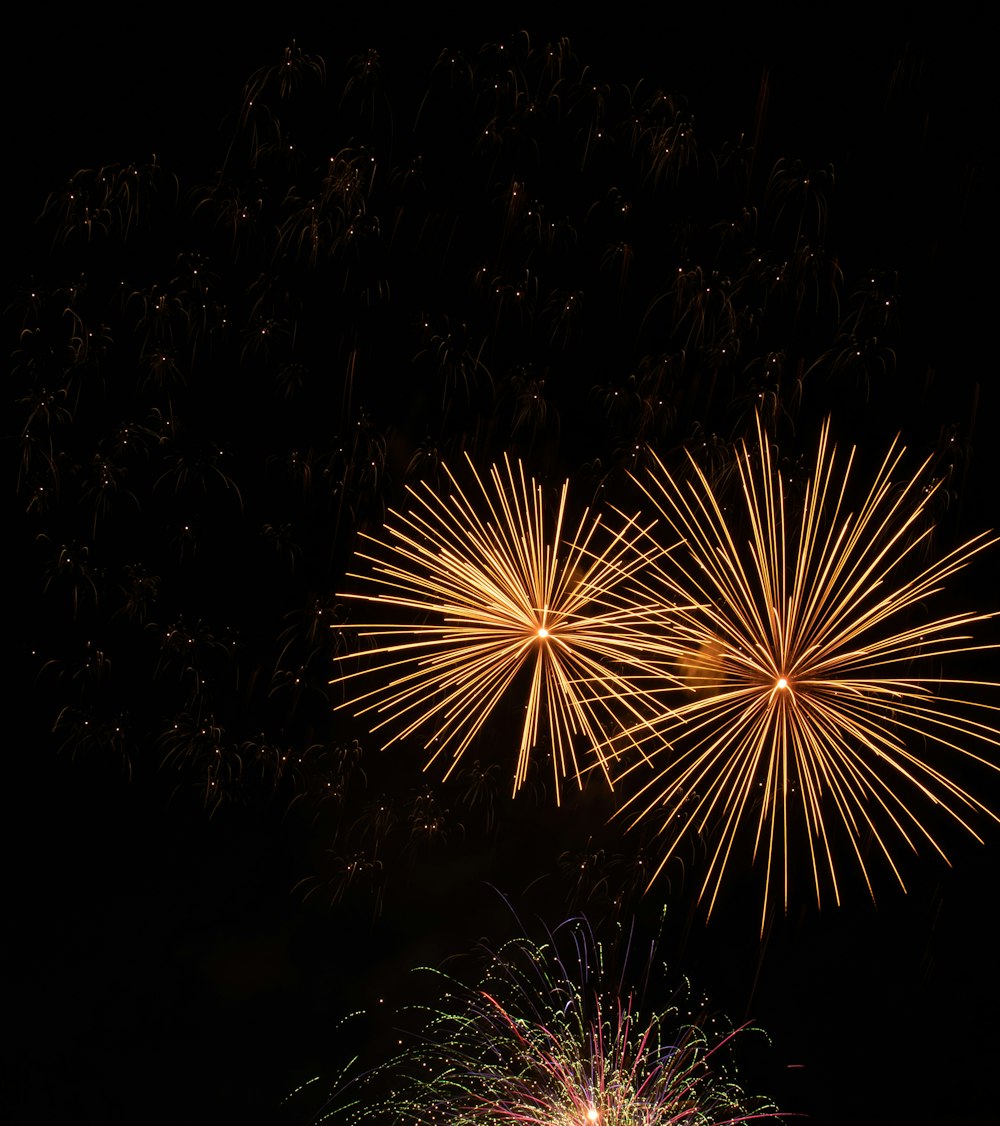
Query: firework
487,597
814,705
548,1041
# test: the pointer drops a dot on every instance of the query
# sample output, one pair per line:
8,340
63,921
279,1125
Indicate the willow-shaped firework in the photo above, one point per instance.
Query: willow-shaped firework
544,1041
488,597
814,704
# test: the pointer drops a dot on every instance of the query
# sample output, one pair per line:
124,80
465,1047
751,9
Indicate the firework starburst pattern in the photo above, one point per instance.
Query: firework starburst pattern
350,505
479,592
815,706
544,1040
772,659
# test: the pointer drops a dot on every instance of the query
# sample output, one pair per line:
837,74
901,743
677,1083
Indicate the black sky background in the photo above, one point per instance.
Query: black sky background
164,966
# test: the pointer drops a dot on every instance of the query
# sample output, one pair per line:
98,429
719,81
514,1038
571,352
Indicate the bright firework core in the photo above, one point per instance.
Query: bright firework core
543,632
781,682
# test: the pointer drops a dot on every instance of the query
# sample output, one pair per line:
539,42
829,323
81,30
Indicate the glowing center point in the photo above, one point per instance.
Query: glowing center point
592,1115
782,682
542,631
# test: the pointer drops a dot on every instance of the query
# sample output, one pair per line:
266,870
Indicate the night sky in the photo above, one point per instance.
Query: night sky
209,869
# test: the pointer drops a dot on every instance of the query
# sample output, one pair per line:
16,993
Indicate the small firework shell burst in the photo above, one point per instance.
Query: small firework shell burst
483,597
811,715
544,1040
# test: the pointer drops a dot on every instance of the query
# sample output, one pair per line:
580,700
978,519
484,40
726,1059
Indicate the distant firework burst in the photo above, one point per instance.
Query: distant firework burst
812,717
548,1041
489,597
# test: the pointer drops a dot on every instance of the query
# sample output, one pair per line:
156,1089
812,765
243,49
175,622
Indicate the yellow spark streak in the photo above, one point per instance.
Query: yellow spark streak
817,709
470,591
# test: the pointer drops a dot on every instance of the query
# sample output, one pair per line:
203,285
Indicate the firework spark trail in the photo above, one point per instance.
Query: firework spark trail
545,1041
811,679
476,590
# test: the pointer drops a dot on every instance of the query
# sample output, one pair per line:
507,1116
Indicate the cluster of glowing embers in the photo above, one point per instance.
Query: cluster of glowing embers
751,662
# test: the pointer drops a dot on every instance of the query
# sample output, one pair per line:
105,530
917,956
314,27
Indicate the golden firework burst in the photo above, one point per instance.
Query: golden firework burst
484,596
813,702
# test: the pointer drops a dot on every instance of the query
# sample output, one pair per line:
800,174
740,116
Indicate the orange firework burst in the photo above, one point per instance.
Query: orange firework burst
481,596
814,704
